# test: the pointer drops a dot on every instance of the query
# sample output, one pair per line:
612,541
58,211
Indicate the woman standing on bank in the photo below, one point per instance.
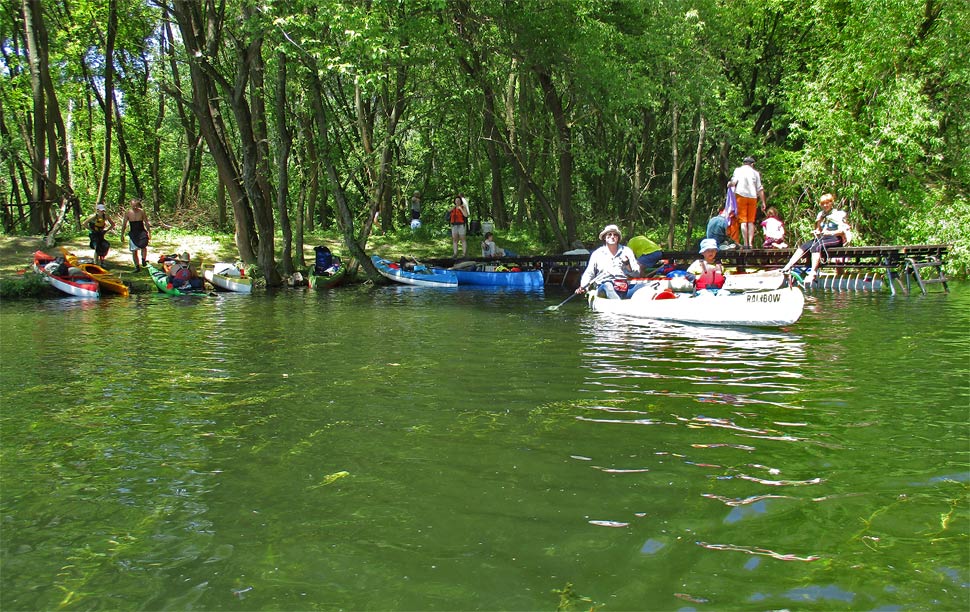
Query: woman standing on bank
139,233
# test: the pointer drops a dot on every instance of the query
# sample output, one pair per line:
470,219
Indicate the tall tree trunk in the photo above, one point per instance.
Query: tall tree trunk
674,174
35,34
188,189
497,193
201,41
565,157
285,137
156,159
109,97
251,130
695,183
345,217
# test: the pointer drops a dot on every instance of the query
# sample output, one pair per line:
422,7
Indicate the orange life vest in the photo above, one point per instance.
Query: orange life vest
457,216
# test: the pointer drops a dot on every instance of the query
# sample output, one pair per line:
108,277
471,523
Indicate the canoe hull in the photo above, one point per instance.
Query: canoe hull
755,281
228,282
76,284
524,279
107,281
776,308
160,279
433,277
323,281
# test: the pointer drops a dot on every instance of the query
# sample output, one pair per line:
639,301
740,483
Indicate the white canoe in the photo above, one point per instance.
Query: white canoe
765,280
228,278
754,309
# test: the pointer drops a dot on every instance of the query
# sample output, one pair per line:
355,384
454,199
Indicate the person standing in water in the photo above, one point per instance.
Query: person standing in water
139,232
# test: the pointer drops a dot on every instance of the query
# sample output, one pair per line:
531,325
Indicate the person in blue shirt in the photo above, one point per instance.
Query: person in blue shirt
717,230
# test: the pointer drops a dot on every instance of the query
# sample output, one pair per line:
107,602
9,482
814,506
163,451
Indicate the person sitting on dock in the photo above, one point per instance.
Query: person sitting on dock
490,250
718,229
610,265
831,231
774,230
707,271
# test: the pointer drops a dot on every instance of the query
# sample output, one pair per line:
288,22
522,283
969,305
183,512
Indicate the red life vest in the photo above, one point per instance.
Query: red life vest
711,278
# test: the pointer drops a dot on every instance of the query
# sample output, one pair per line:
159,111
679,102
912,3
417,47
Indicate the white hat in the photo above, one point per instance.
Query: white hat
610,228
100,206
707,244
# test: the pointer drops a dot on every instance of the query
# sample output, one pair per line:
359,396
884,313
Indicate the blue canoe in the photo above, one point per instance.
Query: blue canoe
420,275
524,279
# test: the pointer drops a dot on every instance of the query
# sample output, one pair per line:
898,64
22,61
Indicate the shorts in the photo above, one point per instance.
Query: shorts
747,209
458,230
821,243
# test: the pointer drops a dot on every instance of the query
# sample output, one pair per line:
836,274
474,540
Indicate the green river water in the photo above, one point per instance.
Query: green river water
400,448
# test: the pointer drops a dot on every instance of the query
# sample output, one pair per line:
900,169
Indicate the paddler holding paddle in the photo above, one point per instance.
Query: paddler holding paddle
613,262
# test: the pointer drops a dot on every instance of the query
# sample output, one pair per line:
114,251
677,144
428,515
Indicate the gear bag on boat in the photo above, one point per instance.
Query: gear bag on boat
324,259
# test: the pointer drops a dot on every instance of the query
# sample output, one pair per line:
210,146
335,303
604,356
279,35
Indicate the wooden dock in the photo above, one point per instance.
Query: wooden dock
861,268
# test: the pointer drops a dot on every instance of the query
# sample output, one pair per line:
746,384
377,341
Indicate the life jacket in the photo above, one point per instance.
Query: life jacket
98,223
456,216
179,271
711,278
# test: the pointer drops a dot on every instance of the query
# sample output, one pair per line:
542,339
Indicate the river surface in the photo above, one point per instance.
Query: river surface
397,448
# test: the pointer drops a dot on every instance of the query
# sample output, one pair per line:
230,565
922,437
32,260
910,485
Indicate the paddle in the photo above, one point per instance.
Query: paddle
559,305
588,285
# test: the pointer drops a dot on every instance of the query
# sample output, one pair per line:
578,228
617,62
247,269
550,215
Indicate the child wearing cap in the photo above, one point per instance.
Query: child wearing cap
707,271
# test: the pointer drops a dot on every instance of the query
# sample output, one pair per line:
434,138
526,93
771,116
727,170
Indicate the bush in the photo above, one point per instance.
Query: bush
27,285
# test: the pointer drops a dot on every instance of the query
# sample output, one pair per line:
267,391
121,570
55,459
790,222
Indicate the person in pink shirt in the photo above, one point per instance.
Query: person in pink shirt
774,230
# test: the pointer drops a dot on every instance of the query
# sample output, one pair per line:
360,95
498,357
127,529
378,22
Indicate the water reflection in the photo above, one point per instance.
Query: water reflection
712,364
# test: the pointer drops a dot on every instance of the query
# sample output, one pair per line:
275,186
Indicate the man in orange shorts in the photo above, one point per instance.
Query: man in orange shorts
748,190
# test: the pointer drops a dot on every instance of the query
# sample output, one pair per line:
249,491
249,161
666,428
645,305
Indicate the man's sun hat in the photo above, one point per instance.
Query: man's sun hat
708,244
100,206
610,228
749,160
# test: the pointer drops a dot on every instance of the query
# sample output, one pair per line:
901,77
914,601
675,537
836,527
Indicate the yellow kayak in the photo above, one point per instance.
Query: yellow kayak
106,279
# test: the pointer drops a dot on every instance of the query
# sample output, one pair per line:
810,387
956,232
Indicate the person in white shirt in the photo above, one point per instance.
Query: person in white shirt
611,265
748,189
490,250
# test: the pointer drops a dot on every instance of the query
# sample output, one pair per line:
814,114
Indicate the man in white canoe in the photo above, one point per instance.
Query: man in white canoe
611,265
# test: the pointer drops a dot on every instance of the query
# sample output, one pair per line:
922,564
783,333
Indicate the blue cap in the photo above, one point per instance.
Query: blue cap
708,244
